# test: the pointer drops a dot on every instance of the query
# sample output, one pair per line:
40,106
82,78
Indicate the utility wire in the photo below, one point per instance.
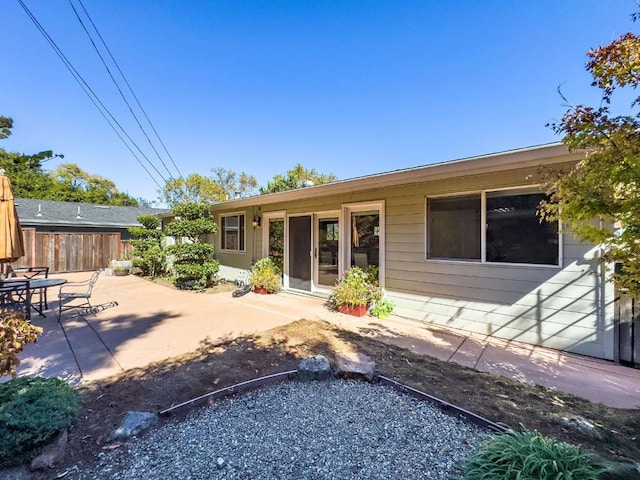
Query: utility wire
130,88
93,97
115,82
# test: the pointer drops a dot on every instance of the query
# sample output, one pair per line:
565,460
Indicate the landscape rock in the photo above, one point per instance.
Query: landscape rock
582,425
314,368
132,424
620,471
52,454
355,365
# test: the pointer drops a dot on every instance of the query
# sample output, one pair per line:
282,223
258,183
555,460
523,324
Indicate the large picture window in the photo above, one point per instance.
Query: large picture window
232,232
513,231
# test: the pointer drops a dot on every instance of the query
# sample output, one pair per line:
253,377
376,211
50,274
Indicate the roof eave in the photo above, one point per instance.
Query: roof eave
523,158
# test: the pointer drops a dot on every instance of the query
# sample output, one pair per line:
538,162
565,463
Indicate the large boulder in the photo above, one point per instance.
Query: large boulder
314,368
132,424
355,365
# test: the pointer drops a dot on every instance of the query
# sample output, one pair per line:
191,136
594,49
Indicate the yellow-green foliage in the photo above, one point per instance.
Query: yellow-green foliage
265,274
15,333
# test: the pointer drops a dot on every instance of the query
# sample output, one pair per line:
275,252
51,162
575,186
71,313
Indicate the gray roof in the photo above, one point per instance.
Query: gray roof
49,212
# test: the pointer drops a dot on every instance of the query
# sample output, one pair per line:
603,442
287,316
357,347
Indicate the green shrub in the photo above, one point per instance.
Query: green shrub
192,255
148,253
32,411
528,455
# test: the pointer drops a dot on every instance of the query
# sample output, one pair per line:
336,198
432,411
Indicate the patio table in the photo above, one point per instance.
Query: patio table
43,283
18,292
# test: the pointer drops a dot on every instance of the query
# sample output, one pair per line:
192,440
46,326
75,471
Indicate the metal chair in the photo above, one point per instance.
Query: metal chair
71,291
15,294
30,273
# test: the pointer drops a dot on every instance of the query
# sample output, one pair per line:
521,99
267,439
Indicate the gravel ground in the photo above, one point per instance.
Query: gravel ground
316,430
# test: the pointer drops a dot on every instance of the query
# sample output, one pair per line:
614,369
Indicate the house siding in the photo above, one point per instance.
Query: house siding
560,307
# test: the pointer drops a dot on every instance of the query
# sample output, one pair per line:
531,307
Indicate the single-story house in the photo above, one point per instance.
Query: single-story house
70,236
457,244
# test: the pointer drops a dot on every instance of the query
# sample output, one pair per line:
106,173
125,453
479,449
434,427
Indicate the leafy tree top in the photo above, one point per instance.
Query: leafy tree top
192,221
295,178
220,186
67,183
605,185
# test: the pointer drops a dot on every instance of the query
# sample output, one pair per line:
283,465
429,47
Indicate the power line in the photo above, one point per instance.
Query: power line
130,89
104,111
115,82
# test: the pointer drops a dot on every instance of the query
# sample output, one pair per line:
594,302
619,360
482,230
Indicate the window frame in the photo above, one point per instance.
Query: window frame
517,190
241,228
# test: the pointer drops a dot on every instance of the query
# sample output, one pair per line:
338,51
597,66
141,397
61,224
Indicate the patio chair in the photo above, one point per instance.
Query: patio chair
80,291
30,273
15,295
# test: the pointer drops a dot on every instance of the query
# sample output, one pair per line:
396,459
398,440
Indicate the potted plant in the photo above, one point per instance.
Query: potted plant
351,292
120,267
358,291
265,276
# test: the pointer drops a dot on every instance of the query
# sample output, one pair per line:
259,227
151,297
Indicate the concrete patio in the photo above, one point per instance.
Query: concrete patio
139,322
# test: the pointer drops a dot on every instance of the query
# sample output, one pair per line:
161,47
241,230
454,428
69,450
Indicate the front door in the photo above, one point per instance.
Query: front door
299,254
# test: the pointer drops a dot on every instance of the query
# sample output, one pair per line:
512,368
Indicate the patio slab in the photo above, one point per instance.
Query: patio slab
139,322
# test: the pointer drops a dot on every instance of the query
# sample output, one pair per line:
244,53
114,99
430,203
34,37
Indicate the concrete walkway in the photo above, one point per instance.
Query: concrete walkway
140,322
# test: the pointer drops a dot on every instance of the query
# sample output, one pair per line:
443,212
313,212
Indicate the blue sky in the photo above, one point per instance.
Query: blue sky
345,87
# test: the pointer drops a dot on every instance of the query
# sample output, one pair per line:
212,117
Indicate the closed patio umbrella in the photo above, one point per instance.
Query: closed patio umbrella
11,241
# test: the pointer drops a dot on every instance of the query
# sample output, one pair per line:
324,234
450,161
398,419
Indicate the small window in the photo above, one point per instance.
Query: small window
454,227
515,232
232,232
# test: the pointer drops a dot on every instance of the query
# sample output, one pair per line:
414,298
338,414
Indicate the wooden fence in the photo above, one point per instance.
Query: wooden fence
71,252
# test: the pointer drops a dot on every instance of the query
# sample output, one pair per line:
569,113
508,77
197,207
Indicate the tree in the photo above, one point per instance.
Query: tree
28,178
296,178
73,184
221,186
193,262
148,253
67,183
605,185
233,184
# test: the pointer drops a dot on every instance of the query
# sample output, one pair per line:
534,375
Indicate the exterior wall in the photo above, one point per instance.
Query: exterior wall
559,307
567,307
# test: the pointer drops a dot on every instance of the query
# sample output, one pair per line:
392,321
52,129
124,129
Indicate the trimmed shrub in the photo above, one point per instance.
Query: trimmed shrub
528,455
32,411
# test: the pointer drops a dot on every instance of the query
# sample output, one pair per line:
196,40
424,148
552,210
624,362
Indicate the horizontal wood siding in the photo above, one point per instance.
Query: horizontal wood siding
555,306
71,252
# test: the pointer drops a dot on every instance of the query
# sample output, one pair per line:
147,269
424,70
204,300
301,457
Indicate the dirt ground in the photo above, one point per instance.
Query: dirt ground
216,365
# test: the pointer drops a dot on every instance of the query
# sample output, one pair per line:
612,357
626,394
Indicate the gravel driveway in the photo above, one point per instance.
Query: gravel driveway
315,430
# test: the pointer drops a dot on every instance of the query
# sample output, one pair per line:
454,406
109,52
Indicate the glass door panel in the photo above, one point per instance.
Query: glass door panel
299,254
365,239
276,242
327,249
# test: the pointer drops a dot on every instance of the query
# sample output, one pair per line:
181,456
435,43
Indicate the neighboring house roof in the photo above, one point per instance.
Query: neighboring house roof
495,162
70,214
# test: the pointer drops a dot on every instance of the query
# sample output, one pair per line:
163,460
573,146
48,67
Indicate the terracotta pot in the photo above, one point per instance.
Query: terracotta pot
355,310
261,291
121,273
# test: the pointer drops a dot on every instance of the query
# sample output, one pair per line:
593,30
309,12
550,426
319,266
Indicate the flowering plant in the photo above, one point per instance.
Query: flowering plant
357,287
352,288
